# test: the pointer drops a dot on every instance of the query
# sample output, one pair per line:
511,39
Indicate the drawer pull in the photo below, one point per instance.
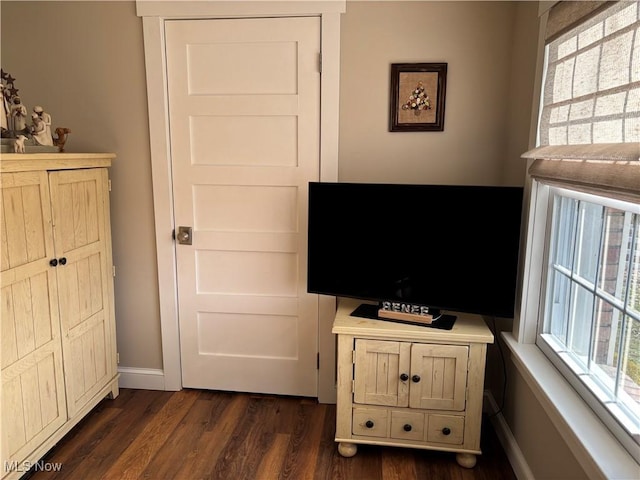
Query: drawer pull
53,262
404,377
369,424
415,378
446,431
407,428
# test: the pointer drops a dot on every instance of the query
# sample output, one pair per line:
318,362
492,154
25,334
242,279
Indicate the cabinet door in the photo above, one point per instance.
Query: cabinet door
33,400
378,369
438,376
82,238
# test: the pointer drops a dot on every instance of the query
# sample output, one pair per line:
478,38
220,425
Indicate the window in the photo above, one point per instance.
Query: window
591,319
586,202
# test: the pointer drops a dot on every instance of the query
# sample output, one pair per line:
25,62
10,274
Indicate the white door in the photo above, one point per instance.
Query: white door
244,112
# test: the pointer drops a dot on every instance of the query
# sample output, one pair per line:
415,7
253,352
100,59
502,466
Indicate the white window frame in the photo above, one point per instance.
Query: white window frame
599,452
616,419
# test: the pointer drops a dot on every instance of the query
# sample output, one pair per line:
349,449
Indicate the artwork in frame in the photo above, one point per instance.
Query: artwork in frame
417,97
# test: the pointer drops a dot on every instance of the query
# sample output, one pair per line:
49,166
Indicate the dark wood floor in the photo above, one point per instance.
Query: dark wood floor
194,434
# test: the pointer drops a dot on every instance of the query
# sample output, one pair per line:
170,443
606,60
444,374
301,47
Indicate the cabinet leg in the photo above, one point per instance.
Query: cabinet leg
115,391
347,449
466,460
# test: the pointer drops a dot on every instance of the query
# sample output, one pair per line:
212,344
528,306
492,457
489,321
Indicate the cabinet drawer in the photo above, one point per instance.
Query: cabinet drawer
407,425
445,429
371,422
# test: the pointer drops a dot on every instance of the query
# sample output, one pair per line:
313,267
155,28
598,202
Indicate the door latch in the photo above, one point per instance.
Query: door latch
184,235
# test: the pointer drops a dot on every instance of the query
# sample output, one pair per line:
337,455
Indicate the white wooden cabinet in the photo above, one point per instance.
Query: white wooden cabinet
410,386
58,357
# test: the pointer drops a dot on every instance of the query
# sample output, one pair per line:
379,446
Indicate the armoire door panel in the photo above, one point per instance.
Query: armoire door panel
33,396
87,374
80,235
26,314
25,219
33,401
79,218
81,287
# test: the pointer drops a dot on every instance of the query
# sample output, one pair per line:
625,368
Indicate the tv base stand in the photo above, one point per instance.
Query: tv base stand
412,386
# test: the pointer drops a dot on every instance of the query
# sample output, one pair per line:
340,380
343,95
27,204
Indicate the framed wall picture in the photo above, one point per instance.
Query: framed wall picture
417,97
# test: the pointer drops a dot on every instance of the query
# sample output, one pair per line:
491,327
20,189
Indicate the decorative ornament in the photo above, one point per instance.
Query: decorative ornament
14,130
61,137
8,81
418,100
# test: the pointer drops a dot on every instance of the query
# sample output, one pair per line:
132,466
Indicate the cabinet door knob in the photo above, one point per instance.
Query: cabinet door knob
369,424
416,378
63,261
407,428
446,431
53,262
404,377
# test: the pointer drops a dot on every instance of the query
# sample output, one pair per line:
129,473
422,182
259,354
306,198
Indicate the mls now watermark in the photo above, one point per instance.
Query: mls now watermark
39,466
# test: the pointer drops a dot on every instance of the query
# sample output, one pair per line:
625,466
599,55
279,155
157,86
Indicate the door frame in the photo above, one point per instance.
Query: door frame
154,15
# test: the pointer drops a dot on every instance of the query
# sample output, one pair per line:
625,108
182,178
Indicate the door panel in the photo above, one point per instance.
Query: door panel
229,134
244,67
244,109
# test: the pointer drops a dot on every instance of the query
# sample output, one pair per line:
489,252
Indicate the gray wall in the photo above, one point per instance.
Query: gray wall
84,63
475,39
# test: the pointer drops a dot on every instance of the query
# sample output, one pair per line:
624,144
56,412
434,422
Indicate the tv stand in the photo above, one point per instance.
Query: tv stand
406,385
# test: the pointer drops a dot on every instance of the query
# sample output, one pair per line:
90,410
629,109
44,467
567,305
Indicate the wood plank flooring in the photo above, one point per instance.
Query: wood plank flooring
196,434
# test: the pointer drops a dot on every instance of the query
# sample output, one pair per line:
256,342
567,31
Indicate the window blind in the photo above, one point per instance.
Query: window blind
589,124
565,15
592,78
617,179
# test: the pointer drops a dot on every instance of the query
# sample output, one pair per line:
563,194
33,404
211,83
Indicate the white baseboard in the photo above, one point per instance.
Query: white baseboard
507,440
141,378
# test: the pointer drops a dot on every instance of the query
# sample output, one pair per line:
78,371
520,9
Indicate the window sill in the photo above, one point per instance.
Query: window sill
597,450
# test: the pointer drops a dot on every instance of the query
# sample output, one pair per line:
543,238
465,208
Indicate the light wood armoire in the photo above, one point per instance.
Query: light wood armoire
58,343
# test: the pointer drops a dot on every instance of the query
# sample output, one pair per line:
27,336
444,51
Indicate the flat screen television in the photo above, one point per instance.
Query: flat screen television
447,247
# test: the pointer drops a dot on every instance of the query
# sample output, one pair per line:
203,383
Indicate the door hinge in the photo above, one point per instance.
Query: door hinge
109,184
318,361
353,386
320,62
113,270
353,356
118,358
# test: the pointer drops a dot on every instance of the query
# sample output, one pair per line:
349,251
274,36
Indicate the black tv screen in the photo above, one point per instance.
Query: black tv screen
448,247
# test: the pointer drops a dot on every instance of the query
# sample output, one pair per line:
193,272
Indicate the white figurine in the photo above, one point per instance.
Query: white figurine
18,144
46,118
39,131
18,114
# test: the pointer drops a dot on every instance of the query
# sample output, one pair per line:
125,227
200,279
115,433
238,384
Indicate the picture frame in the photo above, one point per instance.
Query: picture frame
417,97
